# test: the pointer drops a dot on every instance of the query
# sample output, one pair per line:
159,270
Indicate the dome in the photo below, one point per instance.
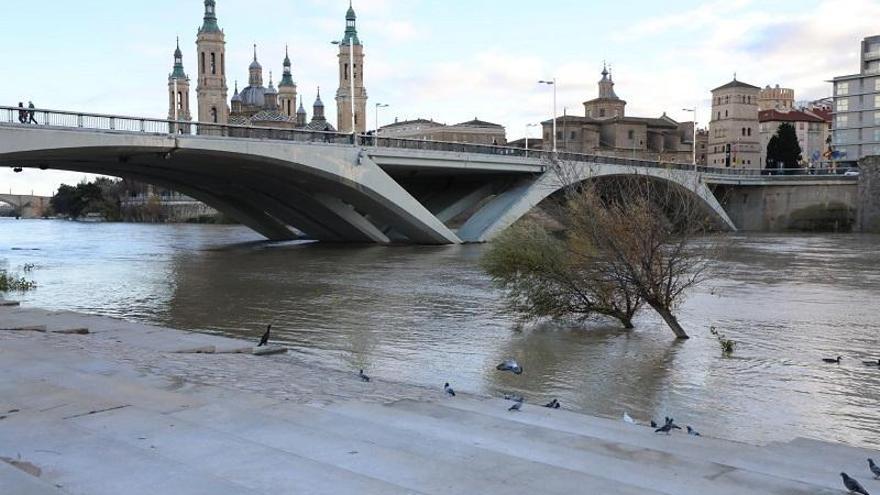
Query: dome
253,96
255,65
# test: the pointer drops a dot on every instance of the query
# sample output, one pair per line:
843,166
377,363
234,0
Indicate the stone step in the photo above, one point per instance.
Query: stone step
796,466
209,448
295,429
661,471
830,459
14,481
81,463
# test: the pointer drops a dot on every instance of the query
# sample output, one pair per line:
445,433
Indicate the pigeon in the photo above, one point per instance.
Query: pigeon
553,404
693,432
672,424
872,363
265,338
448,390
513,397
653,424
668,427
852,485
874,469
832,361
628,419
516,406
510,365
363,377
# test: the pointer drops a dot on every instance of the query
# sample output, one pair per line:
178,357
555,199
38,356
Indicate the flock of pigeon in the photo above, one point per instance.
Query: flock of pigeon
510,365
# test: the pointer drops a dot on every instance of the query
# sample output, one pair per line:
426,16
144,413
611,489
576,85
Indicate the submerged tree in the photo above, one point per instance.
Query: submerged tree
627,241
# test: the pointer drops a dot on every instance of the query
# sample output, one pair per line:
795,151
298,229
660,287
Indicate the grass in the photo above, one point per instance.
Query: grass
12,283
727,345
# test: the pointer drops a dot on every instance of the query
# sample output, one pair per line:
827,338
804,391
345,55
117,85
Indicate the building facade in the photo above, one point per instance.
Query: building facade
259,105
811,130
856,124
776,98
734,140
605,129
474,131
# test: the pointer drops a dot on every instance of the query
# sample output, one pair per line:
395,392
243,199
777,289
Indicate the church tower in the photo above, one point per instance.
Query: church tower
348,47
287,89
211,49
608,105
178,89
301,117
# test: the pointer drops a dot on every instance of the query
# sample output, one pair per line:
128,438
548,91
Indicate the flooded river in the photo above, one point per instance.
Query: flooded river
428,315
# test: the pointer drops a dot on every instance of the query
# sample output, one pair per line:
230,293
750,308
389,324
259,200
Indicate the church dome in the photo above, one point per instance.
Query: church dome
253,96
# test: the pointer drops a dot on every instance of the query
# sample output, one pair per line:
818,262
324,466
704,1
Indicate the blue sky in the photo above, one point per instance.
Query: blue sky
449,60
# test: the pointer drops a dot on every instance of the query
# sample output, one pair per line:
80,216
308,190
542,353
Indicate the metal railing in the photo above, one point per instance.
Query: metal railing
24,116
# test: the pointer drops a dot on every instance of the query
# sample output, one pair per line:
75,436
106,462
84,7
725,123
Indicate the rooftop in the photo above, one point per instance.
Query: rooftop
736,84
792,116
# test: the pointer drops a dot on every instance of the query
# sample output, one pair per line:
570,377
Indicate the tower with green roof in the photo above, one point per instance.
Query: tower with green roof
178,89
211,88
350,46
287,89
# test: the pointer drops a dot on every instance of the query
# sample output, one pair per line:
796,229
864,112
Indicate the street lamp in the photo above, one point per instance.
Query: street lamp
351,80
552,83
528,126
694,111
378,106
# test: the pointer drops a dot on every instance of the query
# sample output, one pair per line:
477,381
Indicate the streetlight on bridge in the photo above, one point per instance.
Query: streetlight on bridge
376,136
552,82
694,111
528,126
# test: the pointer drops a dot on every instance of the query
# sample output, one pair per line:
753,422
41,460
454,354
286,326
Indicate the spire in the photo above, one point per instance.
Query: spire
287,77
255,78
271,88
606,85
301,110
178,72
318,102
351,35
210,25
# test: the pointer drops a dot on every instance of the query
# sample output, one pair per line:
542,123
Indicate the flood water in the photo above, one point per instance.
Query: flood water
428,315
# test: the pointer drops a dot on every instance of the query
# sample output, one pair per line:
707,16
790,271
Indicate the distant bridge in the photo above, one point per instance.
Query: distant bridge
383,191
27,206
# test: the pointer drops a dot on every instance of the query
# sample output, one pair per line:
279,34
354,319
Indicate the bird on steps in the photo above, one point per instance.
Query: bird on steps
553,404
693,432
516,406
448,390
872,363
668,426
363,377
832,361
653,424
874,469
510,365
852,485
628,419
265,338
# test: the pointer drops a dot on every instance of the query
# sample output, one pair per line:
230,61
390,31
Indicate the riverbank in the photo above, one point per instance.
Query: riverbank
120,410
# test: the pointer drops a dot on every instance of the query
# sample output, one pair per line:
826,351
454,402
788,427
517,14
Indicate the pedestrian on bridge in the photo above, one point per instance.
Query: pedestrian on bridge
22,114
31,112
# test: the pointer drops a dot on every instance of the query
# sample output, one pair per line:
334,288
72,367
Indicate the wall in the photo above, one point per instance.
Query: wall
782,208
869,195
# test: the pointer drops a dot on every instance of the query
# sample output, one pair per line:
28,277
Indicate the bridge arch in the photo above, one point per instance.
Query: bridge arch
330,192
505,209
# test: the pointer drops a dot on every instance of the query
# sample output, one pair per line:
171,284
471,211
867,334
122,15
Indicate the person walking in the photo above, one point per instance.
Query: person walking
31,112
22,114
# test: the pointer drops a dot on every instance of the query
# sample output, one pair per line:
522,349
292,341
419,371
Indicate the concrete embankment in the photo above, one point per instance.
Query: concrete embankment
121,410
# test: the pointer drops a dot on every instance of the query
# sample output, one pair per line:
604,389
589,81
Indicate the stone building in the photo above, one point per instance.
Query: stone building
857,108
734,140
258,105
473,131
606,129
777,98
810,130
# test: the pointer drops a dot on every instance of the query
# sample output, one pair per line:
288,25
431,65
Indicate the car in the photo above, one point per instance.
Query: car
851,173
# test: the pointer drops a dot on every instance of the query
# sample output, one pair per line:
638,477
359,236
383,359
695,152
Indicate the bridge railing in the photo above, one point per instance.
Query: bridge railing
25,116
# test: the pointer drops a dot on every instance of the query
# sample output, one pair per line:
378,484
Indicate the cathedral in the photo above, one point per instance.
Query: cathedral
257,105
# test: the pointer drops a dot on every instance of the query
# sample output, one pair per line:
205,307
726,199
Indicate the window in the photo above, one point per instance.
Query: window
801,125
876,101
749,131
601,112
213,63
222,64
345,72
632,134
877,84
843,105
180,100
573,135
842,89
876,118
559,135
203,62
842,121
719,116
726,114
214,114
743,131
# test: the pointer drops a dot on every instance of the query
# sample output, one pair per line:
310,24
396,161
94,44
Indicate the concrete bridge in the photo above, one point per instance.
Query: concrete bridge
27,206
280,181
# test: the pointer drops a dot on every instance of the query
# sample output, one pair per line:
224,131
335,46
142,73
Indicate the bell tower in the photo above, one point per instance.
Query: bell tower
351,75
178,89
211,88
287,89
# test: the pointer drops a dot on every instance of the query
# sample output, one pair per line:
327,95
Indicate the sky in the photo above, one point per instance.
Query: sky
450,60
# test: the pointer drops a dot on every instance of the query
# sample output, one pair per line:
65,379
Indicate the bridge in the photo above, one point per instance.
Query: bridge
282,181
27,206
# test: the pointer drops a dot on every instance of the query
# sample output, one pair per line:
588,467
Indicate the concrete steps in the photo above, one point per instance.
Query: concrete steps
15,481
660,471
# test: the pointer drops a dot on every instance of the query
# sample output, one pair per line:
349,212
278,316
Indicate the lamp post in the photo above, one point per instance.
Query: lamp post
376,137
552,82
351,87
528,126
694,111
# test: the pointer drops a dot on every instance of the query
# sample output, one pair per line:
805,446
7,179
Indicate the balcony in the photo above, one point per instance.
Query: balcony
872,55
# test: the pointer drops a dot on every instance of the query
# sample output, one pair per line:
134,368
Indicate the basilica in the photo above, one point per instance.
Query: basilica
257,105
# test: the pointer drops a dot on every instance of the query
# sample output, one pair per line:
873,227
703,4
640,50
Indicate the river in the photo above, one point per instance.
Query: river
428,315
